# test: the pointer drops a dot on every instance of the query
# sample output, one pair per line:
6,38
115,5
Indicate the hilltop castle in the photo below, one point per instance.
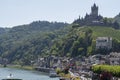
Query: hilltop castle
91,19
94,19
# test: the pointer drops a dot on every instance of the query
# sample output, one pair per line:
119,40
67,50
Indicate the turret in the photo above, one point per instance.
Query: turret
94,10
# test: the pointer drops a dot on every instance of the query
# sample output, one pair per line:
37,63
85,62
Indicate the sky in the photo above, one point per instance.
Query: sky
19,12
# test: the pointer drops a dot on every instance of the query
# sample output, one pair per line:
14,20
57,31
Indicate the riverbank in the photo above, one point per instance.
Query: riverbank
24,74
42,69
19,67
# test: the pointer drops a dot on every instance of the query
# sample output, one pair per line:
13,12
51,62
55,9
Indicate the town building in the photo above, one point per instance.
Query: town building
114,58
104,43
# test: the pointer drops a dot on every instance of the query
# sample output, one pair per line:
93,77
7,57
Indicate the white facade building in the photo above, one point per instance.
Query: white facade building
104,43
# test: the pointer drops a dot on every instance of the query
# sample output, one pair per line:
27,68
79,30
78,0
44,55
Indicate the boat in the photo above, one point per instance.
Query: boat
52,73
63,78
10,77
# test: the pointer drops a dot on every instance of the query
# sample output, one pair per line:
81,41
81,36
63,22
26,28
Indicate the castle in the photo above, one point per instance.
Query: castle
94,19
91,19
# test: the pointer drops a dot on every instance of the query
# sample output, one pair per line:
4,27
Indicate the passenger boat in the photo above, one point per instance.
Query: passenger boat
10,77
52,73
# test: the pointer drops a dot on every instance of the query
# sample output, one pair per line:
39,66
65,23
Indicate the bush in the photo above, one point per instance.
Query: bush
58,71
114,70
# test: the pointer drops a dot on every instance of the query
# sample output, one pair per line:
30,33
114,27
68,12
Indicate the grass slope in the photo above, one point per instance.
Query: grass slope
99,31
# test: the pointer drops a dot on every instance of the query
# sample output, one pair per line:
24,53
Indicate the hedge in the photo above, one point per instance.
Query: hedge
113,69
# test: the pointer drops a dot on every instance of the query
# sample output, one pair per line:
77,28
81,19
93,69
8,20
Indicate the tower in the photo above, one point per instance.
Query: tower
94,10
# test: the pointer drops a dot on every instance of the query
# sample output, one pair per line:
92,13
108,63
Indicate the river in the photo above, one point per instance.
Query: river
24,74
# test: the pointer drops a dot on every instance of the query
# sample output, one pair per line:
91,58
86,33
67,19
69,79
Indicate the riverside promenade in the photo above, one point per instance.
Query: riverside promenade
42,69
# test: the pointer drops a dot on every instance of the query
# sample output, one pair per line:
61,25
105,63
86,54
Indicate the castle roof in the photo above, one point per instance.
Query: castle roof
94,6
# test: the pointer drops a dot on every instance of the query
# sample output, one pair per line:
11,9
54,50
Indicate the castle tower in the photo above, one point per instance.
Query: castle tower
94,10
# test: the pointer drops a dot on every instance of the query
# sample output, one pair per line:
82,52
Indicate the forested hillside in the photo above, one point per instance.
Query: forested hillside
3,30
80,41
117,18
26,42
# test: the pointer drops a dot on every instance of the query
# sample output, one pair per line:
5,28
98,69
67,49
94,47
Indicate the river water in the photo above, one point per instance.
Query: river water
24,74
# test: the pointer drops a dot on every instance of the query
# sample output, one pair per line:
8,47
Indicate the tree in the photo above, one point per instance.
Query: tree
116,25
116,45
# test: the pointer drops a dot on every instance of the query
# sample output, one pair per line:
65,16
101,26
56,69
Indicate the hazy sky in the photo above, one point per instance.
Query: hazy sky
18,12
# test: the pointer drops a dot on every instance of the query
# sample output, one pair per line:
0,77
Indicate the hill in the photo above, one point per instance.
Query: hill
99,31
3,30
27,42
117,18
80,41
24,43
